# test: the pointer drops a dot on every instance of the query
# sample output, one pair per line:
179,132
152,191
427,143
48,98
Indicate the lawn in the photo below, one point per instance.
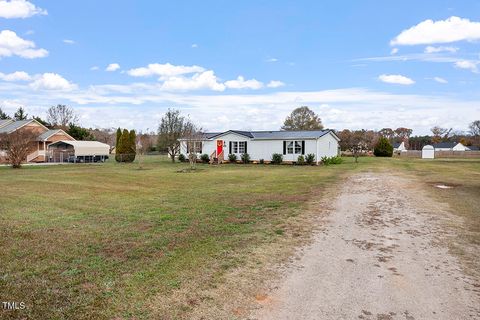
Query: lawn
102,241
110,241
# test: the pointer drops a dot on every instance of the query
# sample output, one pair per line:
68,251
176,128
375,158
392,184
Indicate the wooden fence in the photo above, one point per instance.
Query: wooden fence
440,154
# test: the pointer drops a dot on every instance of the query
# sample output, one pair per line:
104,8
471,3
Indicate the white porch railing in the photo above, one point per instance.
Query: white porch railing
35,154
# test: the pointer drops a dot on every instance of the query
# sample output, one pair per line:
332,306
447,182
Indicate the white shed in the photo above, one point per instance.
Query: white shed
78,151
428,152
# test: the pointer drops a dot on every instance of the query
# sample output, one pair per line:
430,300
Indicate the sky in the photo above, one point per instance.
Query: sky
244,65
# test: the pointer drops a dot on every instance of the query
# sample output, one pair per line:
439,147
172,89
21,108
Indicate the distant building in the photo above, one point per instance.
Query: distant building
399,147
449,146
52,145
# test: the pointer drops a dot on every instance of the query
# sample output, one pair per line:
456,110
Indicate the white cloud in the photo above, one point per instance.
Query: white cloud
394,51
141,106
15,76
194,45
52,81
11,44
440,80
94,68
431,49
112,67
204,80
468,64
275,84
272,60
442,31
68,41
396,79
241,83
19,9
164,70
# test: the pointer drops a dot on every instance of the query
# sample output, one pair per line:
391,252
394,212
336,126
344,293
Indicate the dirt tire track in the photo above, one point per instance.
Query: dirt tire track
379,257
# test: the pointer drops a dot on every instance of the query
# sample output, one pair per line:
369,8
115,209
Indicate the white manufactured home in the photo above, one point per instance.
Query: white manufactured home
263,144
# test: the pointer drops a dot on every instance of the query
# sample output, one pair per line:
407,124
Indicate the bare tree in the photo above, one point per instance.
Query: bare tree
172,127
104,135
387,133
144,143
18,146
440,133
357,141
475,128
193,138
60,116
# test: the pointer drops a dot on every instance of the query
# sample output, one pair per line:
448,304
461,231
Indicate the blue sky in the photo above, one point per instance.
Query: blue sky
358,64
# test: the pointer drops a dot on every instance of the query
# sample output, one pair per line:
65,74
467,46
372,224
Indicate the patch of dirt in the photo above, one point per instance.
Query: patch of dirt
395,234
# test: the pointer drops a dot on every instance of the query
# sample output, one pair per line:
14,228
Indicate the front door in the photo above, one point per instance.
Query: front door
219,147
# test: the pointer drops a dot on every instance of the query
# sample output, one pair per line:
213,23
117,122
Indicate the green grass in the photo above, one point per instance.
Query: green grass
105,241
100,241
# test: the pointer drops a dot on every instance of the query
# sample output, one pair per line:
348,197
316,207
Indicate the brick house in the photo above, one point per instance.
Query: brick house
44,137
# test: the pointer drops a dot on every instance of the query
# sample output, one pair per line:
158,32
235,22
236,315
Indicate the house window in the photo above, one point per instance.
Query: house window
195,147
238,147
298,147
241,147
290,147
294,147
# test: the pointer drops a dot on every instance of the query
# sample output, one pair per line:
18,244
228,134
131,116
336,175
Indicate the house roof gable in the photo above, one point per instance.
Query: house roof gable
15,125
47,134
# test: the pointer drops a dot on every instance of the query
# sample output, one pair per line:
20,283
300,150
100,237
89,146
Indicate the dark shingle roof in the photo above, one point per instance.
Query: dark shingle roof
275,135
473,148
445,145
396,145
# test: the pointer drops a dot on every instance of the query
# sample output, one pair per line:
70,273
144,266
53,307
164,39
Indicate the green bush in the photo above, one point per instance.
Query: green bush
232,158
331,160
262,161
277,158
205,158
182,158
310,158
301,160
383,148
245,158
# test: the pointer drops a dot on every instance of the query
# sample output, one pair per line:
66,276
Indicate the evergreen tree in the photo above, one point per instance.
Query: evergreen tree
124,143
133,144
79,133
118,146
119,134
45,123
3,115
383,148
20,114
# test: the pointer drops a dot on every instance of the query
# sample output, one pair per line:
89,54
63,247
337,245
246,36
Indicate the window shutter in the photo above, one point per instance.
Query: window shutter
201,147
245,146
230,147
284,147
303,146
187,146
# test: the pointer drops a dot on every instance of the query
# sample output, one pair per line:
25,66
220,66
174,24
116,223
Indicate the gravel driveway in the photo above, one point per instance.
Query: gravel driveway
380,256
